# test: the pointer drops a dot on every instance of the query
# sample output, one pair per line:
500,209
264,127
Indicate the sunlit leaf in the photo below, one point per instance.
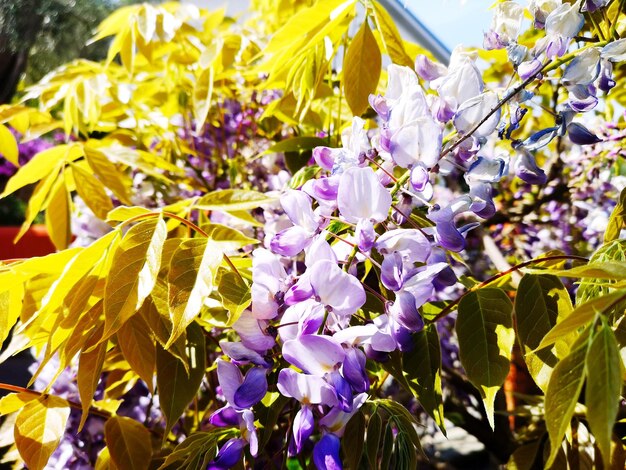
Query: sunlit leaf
296,144
229,239
107,172
233,200
390,36
15,401
562,394
10,306
604,386
37,201
190,280
42,165
39,427
372,441
484,327
92,192
89,370
58,215
235,295
361,69
581,316
202,93
138,348
8,146
128,442
176,387
124,213
133,273
617,221
603,270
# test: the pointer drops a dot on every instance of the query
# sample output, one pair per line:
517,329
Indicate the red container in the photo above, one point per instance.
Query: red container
35,242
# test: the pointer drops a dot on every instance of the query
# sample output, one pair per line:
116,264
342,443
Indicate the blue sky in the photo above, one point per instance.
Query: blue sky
454,21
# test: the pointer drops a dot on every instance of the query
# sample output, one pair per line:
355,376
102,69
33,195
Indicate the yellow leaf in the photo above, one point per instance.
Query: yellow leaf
138,348
42,165
361,70
10,306
390,36
133,272
103,462
128,443
37,201
191,279
15,401
124,213
202,92
109,174
92,192
58,215
89,370
8,146
38,430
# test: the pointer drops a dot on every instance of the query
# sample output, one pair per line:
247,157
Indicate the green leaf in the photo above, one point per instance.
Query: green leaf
353,440
235,295
296,144
562,394
92,192
176,388
133,272
524,457
372,441
604,385
581,316
390,36
190,281
268,412
8,146
617,221
196,451
484,328
405,422
540,301
138,348
303,175
233,200
128,442
361,70
39,427
422,367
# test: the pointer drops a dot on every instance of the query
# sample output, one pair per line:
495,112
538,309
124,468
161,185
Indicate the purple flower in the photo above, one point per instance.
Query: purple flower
314,354
228,455
307,389
361,196
336,289
326,453
527,170
303,425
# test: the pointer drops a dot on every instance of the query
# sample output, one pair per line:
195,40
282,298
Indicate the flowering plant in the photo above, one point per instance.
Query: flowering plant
273,263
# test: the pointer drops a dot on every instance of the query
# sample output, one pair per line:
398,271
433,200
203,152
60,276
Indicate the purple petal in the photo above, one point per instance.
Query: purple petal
379,104
580,135
241,354
391,274
230,378
326,453
228,455
529,68
314,354
342,390
324,157
404,311
361,196
226,416
354,370
307,389
336,288
253,388
290,241
427,69
527,170
365,234
303,424
482,200
251,334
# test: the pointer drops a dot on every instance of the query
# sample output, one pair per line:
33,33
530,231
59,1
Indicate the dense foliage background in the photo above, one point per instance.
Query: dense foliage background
293,239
